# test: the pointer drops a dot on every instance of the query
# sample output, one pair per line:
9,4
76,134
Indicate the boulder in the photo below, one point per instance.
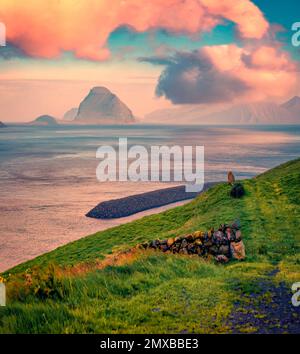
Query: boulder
238,235
170,241
225,250
221,258
237,191
237,250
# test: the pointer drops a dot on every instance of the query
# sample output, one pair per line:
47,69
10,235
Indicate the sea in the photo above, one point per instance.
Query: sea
48,175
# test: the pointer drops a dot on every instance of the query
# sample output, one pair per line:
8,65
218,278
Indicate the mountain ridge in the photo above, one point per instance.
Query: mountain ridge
246,113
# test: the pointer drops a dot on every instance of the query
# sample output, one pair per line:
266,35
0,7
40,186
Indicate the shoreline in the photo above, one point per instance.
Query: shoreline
105,224
133,204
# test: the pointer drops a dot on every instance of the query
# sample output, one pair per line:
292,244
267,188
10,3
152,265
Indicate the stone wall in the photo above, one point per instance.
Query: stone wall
220,243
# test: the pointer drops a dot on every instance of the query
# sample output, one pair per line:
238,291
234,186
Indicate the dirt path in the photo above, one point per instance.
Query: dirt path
270,310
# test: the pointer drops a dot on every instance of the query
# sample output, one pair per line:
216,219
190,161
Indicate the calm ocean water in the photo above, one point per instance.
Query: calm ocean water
48,180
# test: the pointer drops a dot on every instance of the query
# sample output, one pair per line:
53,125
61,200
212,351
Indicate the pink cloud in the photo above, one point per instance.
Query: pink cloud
250,20
268,72
228,73
46,28
271,58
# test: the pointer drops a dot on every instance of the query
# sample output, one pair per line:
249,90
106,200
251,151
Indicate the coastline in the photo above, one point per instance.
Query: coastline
54,186
98,225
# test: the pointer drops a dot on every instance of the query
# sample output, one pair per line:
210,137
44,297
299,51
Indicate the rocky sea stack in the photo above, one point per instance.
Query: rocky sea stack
2,125
101,106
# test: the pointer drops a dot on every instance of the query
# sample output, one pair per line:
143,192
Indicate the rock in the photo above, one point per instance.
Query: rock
214,249
210,233
190,248
237,191
238,250
177,245
225,250
178,238
221,258
200,251
101,106
198,234
154,244
207,243
164,248
238,235
219,238
189,238
184,243
2,125
170,241
230,235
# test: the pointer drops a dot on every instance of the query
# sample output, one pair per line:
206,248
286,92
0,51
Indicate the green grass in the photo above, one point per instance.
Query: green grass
155,292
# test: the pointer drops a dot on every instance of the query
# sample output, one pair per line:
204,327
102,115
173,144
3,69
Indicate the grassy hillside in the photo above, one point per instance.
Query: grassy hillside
72,290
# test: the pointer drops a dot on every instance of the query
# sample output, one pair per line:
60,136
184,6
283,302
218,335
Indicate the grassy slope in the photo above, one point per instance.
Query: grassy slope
155,292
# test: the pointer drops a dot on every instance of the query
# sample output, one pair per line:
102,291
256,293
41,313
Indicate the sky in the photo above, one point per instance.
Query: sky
153,54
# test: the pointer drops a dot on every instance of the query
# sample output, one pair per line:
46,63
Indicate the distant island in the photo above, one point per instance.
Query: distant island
70,115
2,125
100,106
247,113
44,120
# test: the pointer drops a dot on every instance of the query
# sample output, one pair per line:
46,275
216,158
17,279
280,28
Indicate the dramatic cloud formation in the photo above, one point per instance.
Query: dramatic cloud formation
46,28
227,73
193,78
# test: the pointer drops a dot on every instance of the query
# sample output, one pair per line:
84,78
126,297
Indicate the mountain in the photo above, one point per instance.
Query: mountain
253,113
70,114
44,120
2,125
101,106
293,106
248,113
179,115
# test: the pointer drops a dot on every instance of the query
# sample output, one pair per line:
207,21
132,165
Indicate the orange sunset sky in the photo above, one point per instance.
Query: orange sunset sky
152,54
